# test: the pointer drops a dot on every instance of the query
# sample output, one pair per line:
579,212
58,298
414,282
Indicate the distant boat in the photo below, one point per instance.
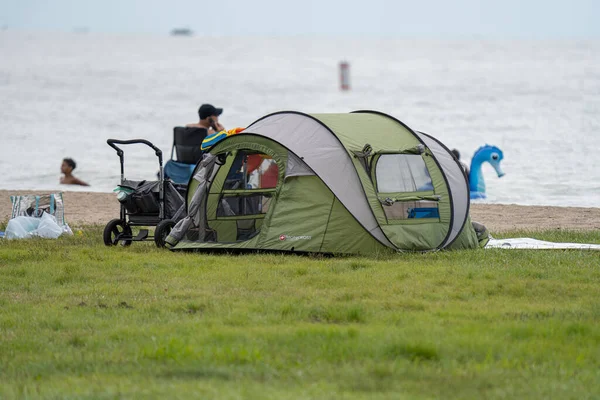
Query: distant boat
182,32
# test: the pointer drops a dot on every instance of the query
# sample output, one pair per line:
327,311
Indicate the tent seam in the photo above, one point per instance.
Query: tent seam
328,218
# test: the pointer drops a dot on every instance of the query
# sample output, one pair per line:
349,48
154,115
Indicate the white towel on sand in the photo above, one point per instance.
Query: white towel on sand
528,243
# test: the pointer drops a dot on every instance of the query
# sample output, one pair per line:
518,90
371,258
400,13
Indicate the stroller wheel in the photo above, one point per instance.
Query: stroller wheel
117,231
162,231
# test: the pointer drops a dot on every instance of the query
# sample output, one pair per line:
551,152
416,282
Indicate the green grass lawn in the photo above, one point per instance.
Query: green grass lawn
80,320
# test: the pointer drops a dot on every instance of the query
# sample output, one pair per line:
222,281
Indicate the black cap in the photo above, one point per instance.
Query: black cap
208,110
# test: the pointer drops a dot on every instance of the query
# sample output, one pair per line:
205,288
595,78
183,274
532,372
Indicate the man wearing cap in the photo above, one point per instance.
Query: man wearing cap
209,119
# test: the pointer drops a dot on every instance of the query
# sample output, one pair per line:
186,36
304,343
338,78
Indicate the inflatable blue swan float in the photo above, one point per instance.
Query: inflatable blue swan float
486,153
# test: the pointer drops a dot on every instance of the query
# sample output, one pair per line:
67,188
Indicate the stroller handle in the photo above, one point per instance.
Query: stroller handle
113,143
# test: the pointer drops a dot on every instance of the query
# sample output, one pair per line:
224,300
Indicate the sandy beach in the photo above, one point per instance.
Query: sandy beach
85,208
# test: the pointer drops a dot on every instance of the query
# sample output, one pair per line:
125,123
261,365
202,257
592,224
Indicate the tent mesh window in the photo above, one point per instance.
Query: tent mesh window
412,210
248,191
238,205
405,173
402,173
251,170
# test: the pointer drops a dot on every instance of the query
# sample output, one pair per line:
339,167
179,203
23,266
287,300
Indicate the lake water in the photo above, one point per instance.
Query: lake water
63,95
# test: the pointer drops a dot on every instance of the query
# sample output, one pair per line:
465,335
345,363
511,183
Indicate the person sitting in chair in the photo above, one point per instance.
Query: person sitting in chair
67,167
187,143
209,119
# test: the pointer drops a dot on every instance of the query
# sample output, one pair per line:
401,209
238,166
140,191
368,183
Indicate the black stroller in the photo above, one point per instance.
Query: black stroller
144,204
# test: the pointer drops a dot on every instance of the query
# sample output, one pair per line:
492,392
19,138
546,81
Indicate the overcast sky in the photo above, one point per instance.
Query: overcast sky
434,18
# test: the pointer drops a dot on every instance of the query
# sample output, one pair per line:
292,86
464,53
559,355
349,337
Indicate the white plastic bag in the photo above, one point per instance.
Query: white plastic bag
25,227
48,227
21,227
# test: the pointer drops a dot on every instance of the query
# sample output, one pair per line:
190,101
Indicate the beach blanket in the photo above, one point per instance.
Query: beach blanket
215,138
529,243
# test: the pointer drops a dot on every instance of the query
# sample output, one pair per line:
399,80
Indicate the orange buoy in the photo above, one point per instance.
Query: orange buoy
344,75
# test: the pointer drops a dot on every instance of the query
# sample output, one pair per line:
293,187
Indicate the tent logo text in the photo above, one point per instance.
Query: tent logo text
294,238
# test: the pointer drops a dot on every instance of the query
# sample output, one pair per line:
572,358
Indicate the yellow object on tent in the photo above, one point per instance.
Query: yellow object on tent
213,139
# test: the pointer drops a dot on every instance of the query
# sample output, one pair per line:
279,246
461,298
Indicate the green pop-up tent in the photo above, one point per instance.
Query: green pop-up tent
357,183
